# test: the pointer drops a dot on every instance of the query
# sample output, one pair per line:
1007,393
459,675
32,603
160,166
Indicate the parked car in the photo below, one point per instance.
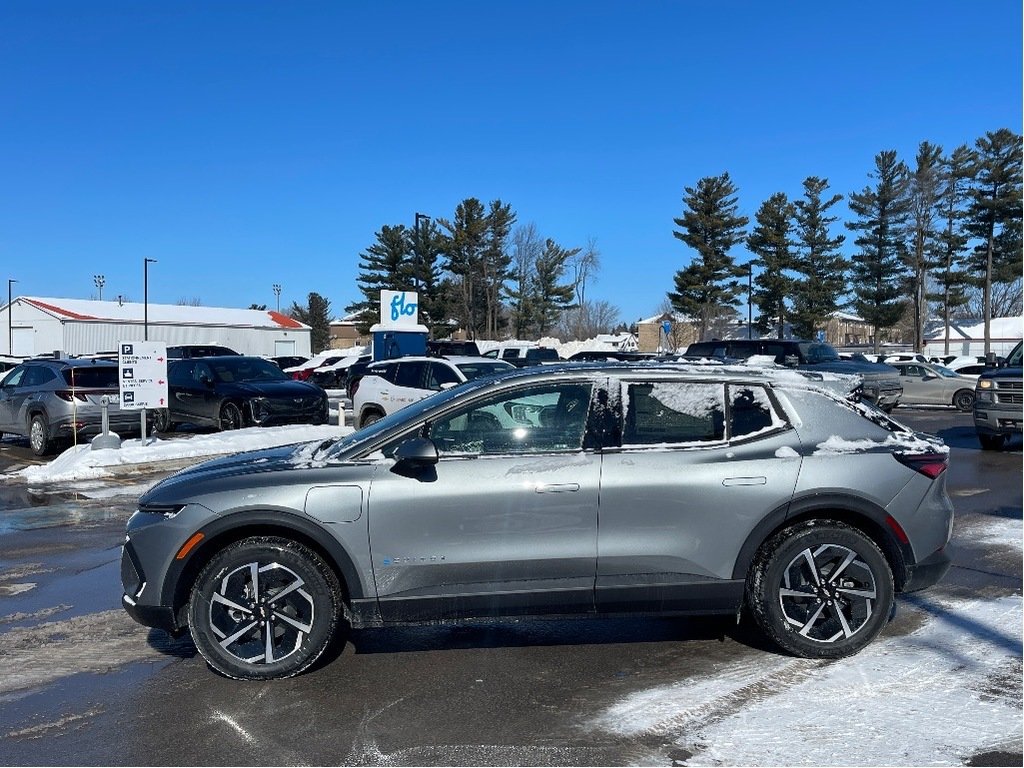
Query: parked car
392,384
289,361
354,374
999,399
186,351
332,375
442,347
881,385
304,371
237,391
967,366
558,490
606,355
51,400
522,356
926,384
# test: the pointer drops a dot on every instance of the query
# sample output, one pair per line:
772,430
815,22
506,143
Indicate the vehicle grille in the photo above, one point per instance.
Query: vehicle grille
1009,392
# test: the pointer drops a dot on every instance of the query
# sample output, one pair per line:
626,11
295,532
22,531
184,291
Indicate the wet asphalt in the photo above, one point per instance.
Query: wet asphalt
83,685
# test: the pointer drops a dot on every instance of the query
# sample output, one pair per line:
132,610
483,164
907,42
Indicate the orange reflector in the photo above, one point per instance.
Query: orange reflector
189,546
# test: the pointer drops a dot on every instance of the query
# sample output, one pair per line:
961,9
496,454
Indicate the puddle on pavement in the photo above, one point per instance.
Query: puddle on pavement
25,509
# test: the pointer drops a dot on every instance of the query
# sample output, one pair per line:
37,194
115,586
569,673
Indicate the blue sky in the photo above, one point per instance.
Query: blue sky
243,144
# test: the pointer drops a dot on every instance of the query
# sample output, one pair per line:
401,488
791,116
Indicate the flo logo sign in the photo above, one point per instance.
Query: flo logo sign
399,309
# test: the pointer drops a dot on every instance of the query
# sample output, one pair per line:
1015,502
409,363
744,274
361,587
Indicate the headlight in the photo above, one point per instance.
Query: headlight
986,384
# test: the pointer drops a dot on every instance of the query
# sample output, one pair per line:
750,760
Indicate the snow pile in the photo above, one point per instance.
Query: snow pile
944,692
838,446
82,463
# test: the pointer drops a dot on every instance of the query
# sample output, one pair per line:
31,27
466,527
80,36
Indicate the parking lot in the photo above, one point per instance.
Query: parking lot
82,684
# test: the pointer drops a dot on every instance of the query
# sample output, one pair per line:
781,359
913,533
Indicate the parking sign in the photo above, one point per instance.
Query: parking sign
142,369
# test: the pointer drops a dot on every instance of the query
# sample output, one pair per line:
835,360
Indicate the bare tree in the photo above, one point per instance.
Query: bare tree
195,301
1006,300
527,246
587,320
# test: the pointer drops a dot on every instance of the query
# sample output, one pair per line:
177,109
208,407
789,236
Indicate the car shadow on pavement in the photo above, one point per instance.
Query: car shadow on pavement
180,647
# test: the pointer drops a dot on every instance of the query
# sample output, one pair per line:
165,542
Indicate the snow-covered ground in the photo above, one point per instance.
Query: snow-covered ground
82,463
948,690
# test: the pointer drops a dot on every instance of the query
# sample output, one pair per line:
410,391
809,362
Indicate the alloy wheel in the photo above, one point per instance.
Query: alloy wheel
828,593
261,613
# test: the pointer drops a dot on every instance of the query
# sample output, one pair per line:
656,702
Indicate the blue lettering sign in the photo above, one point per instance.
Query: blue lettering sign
399,307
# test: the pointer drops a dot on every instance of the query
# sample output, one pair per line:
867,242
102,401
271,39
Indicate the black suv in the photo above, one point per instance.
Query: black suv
998,398
186,351
881,383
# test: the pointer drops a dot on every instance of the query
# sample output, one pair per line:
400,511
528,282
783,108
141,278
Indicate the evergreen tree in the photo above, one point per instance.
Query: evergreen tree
925,196
879,265
819,264
463,251
496,263
706,289
949,250
995,215
770,241
385,265
550,297
317,315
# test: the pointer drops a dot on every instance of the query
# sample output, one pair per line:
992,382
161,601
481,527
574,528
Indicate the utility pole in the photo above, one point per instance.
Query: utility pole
277,293
145,298
10,312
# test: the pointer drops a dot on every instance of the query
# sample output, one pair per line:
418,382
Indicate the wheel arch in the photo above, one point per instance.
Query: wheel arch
226,530
367,409
868,518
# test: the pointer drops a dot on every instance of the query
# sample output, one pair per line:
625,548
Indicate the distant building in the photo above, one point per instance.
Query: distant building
967,337
44,326
345,333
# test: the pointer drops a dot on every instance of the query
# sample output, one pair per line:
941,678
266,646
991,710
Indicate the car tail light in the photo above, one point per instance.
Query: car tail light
68,396
302,375
929,464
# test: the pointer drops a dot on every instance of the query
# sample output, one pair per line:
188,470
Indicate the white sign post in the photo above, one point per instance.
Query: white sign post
142,373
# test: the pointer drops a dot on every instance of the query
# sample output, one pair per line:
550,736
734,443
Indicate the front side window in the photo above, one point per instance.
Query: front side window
410,375
674,412
441,374
540,419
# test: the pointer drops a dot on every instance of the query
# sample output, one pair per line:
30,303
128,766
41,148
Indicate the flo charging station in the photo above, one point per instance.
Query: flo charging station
398,333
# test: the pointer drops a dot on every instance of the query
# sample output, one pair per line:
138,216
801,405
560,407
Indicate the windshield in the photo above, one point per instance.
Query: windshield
818,352
246,369
476,370
1014,358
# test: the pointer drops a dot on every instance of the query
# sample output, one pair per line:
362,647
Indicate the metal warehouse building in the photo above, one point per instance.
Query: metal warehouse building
42,326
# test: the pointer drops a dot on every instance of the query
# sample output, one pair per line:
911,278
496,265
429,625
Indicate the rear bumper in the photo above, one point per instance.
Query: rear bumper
929,571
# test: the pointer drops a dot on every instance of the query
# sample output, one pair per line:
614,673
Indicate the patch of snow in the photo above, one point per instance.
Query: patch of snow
837,446
82,463
785,452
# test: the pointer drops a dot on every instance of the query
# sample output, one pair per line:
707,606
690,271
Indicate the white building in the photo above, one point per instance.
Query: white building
41,326
969,340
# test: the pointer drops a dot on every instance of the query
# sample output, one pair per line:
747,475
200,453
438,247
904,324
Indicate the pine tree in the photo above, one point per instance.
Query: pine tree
385,265
317,315
706,289
925,196
995,215
496,263
463,251
819,264
550,296
879,266
949,250
770,241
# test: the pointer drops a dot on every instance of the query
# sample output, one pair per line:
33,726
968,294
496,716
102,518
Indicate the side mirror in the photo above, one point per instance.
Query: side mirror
417,452
930,376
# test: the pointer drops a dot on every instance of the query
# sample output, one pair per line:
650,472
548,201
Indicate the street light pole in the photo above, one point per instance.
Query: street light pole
10,312
99,281
750,293
277,293
145,297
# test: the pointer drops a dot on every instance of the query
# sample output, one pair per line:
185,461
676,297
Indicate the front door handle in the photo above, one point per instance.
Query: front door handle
557,487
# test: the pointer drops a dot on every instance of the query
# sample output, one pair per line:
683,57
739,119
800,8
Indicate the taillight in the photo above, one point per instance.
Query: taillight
67,396
928,464
302,375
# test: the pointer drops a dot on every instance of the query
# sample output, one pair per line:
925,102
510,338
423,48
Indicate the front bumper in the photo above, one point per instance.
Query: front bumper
995,419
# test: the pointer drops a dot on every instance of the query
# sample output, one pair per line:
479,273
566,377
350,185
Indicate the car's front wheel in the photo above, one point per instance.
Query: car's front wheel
230,416
162,420
821,589
264,608
39,435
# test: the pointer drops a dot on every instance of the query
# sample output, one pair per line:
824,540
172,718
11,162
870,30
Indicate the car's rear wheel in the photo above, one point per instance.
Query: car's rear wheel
821,589
369,417
264,608
230,416
39,435
162,420
964,400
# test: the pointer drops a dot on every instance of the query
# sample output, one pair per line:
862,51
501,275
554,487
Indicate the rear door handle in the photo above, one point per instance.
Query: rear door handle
745,481
557,487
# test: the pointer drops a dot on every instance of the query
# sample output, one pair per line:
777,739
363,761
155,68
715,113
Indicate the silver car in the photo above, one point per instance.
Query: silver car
586,489
51,401
927,384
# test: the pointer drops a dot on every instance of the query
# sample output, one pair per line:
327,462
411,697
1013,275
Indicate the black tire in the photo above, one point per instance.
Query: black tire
162,420
230,417
964,400
821,589
39,435
301,625
992,442
369,417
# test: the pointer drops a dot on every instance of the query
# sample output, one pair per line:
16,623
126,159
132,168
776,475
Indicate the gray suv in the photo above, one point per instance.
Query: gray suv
50,400
564,490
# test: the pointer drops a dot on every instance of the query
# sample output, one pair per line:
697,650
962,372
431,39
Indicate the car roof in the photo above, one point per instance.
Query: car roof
454,359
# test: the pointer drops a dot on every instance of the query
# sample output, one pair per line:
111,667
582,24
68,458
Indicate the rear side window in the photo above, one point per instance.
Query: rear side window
92,377
510,354
410,375
750,411
674,412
